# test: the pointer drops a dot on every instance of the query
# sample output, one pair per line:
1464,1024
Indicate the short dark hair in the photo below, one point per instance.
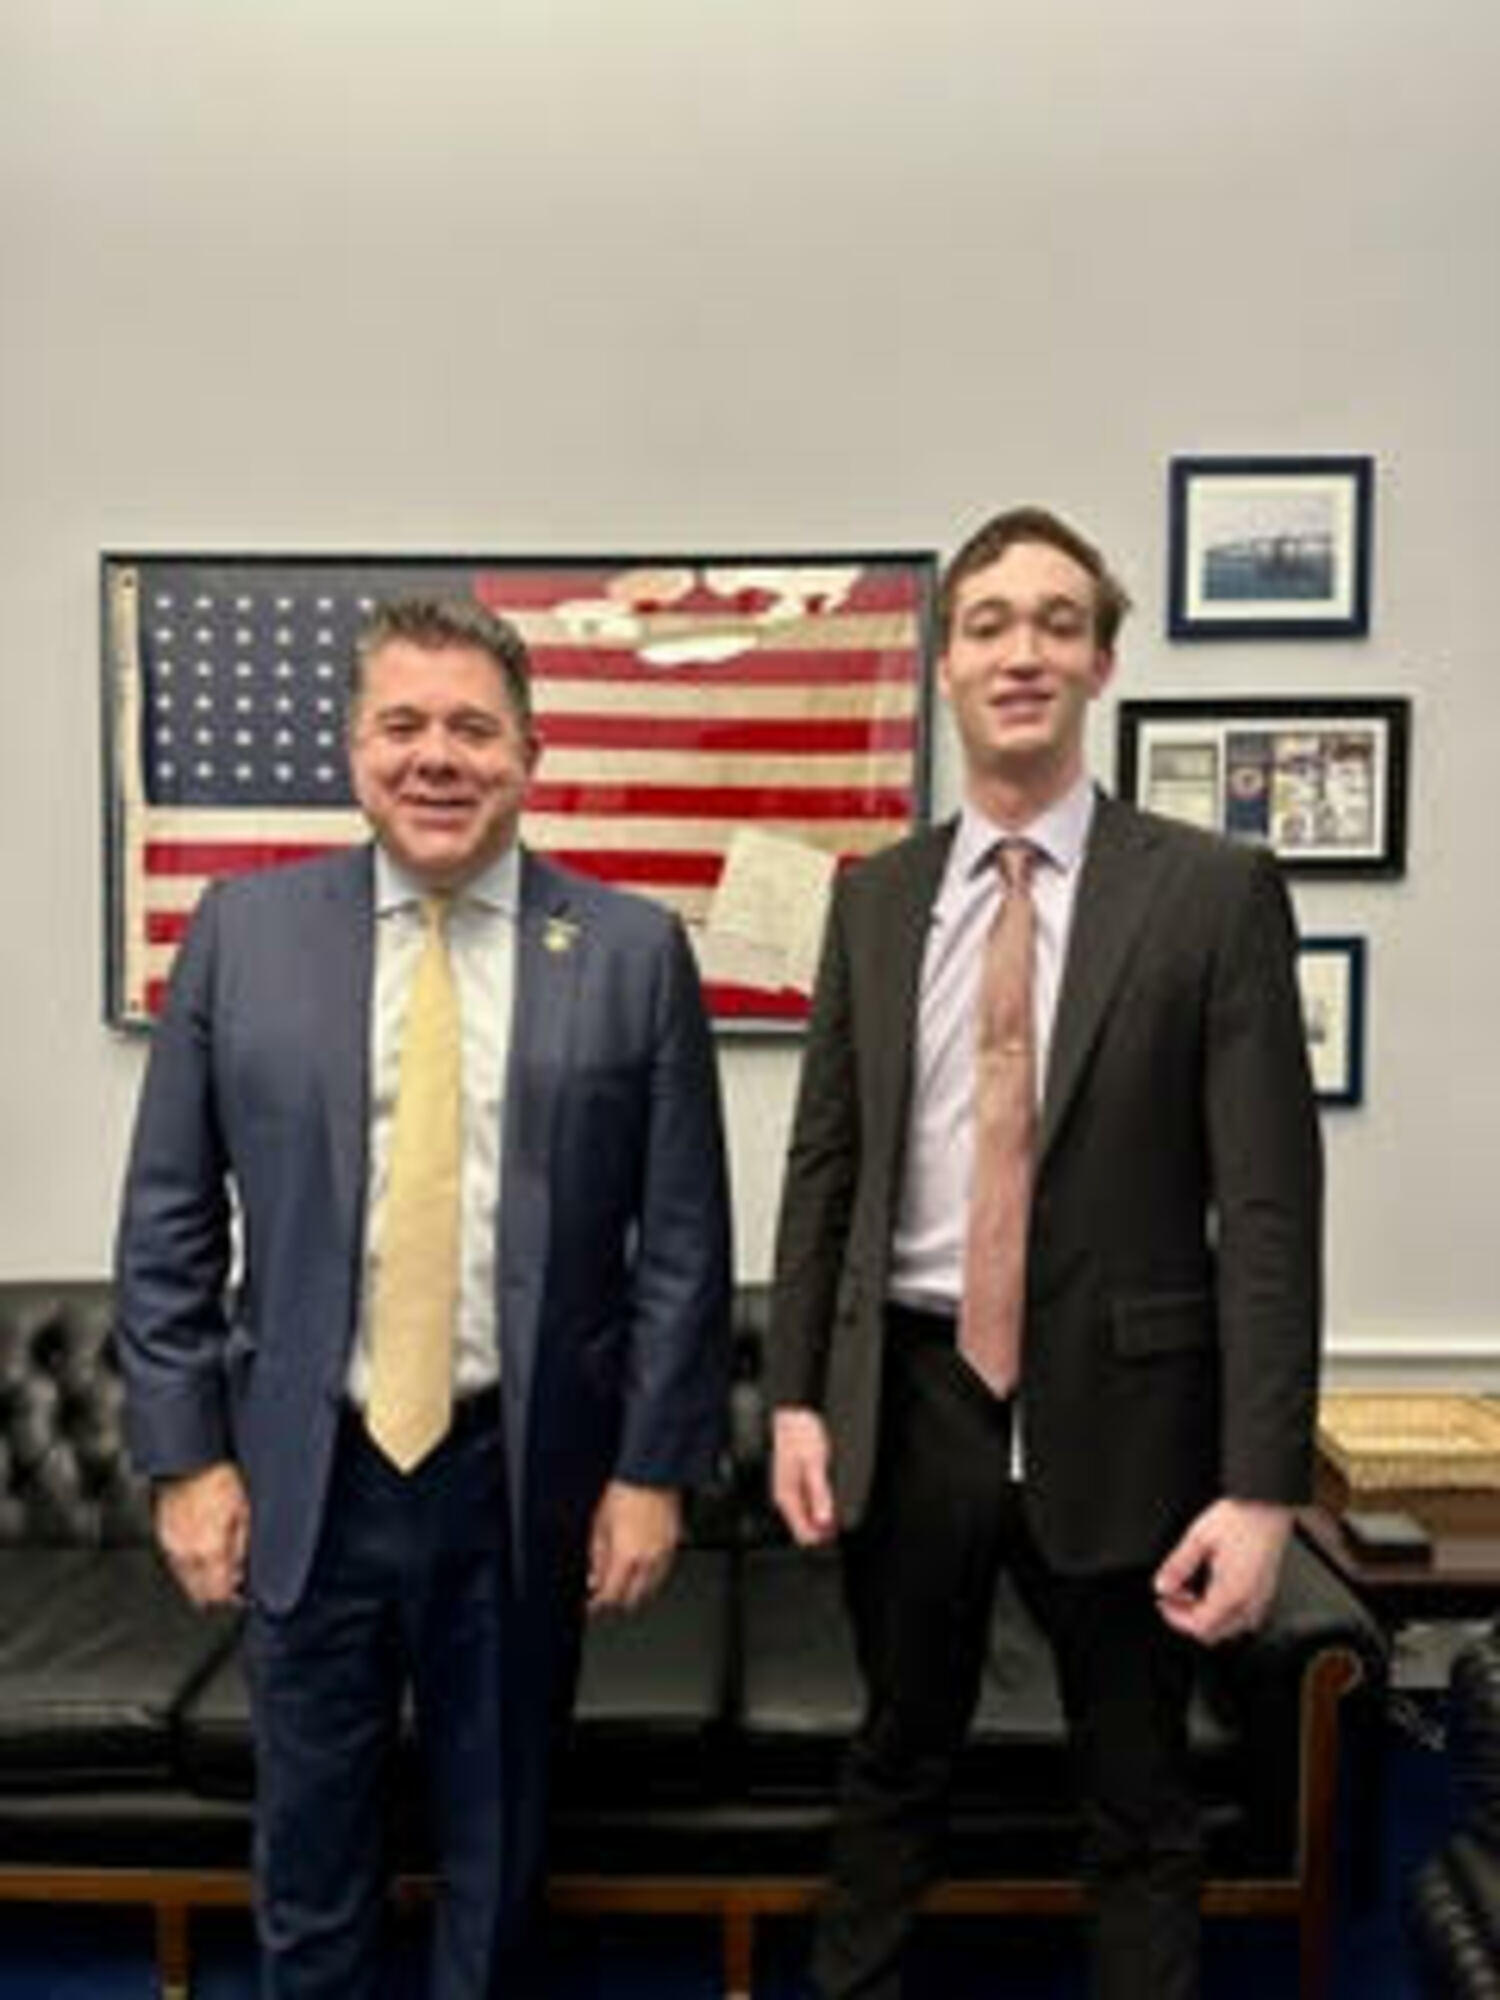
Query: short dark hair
1033,524
433,622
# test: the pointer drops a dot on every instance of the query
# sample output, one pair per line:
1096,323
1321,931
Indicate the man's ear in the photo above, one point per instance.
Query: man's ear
1104,669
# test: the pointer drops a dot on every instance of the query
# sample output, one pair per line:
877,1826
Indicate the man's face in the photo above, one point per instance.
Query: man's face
439,759
1021,666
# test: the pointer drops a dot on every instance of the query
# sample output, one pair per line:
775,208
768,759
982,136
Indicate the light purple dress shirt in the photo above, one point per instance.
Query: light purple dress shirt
927,1250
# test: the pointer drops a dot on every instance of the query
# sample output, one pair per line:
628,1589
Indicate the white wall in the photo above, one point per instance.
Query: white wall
555,275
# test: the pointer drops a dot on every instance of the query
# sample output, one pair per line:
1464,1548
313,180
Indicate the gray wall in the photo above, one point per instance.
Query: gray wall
549,275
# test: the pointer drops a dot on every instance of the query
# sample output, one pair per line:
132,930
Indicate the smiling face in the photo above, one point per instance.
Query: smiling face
439,758
1022,663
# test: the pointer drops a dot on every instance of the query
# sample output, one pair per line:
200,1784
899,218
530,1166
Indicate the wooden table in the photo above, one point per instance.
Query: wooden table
1459,1578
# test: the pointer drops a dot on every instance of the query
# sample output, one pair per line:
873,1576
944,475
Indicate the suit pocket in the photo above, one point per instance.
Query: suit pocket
1163,1323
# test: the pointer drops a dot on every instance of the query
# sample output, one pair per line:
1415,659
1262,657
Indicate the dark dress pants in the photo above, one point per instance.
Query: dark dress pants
409,1591
920,1576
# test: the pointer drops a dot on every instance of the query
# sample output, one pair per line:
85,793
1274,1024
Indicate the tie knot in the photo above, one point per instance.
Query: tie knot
1016,861
436,909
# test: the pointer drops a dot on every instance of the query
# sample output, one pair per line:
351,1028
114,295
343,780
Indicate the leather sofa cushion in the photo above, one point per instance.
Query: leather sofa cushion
214,1752
801,1692
653,1691
98,1648
149,1825
651,1700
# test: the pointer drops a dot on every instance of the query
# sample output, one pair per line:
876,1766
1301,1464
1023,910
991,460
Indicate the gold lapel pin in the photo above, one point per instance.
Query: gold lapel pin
559,935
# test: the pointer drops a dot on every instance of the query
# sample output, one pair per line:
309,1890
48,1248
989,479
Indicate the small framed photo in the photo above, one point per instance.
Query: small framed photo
1322,783
1269,548
1331,973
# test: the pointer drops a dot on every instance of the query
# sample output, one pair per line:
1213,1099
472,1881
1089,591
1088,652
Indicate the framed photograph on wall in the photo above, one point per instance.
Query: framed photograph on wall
1269,548
720,732
1322,782
1331,973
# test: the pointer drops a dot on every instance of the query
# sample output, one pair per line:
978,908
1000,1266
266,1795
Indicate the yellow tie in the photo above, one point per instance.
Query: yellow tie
994,1296
416,1291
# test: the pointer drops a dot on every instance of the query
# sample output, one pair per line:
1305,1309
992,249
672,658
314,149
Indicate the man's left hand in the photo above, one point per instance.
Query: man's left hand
1219,1580
634,1536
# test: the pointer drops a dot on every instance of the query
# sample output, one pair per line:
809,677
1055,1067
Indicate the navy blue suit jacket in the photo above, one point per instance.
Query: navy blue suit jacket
613,1252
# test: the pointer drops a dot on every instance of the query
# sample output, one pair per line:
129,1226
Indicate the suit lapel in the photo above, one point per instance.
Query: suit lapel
916,891
345,961
1114,896
548,929
896,980
550,949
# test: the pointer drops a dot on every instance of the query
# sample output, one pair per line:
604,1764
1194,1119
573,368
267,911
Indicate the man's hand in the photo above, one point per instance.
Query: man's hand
1220,1578
800,1485
634,1536
203,1527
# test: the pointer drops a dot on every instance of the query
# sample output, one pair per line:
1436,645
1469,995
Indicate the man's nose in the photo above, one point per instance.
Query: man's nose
434,750
1023,652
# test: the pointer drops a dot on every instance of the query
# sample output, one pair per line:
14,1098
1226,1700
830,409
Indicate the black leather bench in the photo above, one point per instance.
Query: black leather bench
699,1778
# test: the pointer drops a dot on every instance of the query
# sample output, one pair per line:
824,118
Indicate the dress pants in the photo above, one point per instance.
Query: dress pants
920,1577
409,1591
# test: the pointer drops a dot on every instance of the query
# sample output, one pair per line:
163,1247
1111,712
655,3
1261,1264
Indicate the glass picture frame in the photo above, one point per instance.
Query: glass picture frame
1322,782
1269,548
694,709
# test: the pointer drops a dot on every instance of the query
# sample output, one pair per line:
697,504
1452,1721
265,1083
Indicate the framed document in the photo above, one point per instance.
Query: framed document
1323,783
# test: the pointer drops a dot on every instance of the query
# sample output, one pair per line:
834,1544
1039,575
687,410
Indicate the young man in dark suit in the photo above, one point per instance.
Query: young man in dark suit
1135,1455
480,1337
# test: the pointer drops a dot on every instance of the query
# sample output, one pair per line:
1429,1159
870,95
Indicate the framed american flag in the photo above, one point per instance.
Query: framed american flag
719,732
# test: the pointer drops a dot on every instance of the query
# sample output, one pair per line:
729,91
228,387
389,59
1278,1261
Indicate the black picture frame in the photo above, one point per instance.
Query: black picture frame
685,699
1331,972
1270,548
1321,782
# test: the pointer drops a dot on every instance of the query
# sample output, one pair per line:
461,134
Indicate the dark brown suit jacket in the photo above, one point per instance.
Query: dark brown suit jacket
1174,1288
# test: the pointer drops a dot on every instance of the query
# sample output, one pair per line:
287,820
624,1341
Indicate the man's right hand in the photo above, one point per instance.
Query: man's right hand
800,1484
203,1526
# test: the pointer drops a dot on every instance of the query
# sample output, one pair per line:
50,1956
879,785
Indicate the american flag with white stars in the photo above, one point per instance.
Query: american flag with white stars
677,700
243,696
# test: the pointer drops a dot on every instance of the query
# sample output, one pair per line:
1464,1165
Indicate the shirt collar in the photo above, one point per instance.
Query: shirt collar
1060,832
497,888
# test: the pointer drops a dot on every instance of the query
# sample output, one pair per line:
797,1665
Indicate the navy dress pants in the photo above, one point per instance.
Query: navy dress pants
409,1594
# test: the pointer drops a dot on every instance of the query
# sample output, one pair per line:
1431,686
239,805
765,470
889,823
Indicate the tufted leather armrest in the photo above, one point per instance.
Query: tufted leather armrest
1313,1612
1455,1896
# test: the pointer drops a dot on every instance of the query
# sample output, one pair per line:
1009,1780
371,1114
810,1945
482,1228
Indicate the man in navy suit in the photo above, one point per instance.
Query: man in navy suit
589,1338
1137,1473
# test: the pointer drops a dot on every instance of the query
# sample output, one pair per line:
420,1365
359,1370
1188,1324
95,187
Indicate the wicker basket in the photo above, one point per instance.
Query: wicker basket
1436,1456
